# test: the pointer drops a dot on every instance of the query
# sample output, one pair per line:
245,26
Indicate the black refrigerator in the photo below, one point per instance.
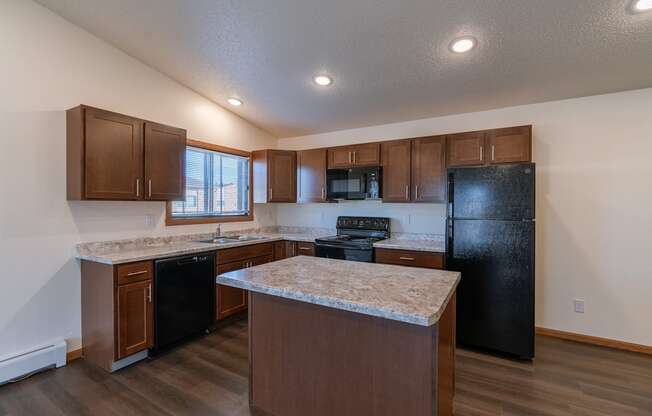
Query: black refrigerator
490,240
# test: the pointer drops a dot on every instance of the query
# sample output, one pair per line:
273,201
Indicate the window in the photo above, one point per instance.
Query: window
218,186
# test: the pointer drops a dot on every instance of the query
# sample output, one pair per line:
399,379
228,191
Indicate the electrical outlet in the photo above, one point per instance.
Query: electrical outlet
149,220
579,305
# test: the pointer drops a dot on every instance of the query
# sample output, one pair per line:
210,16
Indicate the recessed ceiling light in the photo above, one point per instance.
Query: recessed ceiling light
323,80
234,102
462,45
643,5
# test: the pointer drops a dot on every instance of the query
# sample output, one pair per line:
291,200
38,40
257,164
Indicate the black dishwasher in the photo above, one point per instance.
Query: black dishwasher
184,293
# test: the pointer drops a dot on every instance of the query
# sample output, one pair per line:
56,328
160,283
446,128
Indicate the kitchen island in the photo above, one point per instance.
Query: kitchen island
334,337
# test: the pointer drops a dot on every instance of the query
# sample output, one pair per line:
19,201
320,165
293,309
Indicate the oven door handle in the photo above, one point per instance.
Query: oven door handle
336,246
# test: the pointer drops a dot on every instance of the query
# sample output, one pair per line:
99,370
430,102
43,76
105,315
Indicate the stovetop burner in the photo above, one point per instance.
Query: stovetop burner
357,232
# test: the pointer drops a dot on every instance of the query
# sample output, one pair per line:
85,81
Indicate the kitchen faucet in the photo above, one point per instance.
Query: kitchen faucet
218,230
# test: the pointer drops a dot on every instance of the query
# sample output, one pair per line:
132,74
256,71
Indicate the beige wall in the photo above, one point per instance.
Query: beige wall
594,193
46,66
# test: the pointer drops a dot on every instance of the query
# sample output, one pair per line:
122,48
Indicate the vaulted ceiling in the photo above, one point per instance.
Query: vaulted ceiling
390,60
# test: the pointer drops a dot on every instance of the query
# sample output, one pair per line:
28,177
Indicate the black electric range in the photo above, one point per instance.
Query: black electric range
355,238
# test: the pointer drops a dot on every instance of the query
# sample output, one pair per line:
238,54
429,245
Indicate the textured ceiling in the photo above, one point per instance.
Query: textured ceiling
389,58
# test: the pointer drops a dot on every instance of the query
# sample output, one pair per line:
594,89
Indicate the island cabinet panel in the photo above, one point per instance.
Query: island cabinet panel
397,159
429,169
510,145
466,149
311,175
275,176
307,359
111,156
232,300
165,161
410,258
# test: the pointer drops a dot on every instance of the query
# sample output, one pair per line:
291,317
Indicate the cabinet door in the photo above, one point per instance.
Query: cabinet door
113,156
340,157
429,169
282,176
311,175
510,145
230,300
466,149
290,249
135,318
396,170
366,154
279,250
165,160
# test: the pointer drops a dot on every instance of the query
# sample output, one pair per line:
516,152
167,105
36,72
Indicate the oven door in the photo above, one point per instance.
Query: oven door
332,251
346,183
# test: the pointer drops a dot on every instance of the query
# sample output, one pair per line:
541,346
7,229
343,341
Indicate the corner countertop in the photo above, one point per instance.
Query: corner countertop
406,294
412,243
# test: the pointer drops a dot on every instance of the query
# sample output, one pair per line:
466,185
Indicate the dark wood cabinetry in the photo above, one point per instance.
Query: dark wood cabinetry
414,170
117,311
410,258
285,249
311,175
429,169
112,156
305,248
275,176
367,154
231,300
396,156
508,145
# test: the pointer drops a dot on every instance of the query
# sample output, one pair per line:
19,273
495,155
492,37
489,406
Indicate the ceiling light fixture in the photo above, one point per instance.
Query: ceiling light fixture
323,80
234,102
463,45
643,5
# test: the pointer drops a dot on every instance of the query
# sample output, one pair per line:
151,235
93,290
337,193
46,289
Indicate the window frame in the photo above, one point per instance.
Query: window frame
215,219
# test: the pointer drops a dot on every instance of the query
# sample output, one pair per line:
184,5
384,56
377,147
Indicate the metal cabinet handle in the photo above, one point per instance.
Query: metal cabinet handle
481,152
137,273
304,248
271,194
416,192
406,258
149,293
349,157
407,192
493,152
149,186
323,196
354,158
137,187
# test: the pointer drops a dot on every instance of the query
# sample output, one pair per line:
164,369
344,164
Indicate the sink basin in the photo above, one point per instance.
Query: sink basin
232,239
251,237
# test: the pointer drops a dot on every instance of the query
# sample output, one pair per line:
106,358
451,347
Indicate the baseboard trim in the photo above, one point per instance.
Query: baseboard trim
588,339
73,355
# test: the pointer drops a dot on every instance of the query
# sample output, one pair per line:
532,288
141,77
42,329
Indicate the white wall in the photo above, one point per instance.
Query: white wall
47,66
594,193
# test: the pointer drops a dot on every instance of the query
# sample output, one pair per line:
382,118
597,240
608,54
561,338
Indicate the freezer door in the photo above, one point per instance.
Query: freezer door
495,297
493,192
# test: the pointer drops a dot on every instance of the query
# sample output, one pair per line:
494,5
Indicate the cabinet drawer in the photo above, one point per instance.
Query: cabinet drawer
229,255
410,258
305,248
134,272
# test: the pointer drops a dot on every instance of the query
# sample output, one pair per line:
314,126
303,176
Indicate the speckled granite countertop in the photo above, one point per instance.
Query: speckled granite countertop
405,294
127,251
433,244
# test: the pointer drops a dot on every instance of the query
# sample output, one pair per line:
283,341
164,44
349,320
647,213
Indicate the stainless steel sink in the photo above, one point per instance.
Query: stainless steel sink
251,237
233,239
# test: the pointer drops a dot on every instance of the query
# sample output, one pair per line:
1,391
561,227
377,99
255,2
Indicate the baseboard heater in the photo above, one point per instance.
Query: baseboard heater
18,366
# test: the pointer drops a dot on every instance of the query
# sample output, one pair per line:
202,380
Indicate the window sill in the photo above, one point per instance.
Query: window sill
169,220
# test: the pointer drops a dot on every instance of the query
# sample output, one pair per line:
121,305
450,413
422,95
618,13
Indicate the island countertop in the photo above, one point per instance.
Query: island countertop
406,294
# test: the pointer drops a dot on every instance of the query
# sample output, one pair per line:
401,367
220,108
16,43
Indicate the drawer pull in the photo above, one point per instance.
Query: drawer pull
137,273
406,258
304,248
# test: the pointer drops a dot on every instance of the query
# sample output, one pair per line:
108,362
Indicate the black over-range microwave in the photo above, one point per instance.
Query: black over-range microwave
354,183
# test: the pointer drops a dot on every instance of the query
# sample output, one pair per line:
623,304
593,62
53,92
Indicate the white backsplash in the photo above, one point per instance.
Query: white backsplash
406,218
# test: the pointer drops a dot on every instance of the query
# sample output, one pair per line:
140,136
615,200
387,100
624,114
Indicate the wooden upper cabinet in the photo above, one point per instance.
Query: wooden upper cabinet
110,153
311,175
396,157
135,318
367,154
165,161
466,149
275,176
510,145
112,156
429,169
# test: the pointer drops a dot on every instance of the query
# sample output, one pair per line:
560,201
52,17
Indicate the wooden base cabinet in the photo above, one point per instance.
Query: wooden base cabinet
411,258
117,312
232,300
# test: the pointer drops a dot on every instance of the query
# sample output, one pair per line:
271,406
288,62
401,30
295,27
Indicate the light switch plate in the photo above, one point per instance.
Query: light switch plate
579,305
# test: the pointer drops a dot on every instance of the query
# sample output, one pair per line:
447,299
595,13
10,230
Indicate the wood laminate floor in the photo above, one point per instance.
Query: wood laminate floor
208,376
